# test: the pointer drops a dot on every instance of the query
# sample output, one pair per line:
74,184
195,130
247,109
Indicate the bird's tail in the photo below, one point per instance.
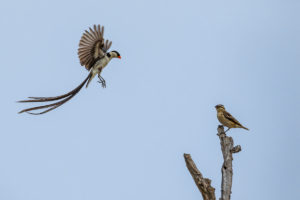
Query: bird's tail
245,128
64,98
92,75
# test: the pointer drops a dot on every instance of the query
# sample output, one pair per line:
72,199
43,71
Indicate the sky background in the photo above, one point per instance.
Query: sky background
179,59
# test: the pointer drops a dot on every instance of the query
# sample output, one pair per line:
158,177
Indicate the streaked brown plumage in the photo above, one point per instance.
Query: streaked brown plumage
92,53
227,119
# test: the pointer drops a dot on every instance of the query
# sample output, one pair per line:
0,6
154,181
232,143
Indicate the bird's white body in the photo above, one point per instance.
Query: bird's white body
100,64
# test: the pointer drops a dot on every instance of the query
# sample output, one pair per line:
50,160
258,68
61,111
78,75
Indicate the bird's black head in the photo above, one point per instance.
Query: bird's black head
115,54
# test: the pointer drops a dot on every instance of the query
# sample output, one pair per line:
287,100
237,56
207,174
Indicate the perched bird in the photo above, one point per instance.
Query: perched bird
227,119
92,53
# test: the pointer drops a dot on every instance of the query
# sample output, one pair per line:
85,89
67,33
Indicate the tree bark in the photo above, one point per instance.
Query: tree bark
227,150
204,184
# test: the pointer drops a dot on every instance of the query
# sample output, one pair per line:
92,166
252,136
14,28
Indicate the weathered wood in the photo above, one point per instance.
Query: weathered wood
203,184
227,150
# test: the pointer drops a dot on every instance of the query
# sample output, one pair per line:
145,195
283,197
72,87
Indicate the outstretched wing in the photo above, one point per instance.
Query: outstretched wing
231,118
92,46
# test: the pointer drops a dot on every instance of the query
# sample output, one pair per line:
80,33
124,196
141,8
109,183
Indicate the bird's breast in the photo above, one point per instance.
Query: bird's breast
100,64
223,120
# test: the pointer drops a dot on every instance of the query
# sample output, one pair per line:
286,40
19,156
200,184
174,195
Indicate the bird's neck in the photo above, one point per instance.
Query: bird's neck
109,56
220,111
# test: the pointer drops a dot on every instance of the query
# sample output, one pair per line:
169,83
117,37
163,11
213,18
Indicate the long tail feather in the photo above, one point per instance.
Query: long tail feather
49,105
43,99
91,77
66,97
54,106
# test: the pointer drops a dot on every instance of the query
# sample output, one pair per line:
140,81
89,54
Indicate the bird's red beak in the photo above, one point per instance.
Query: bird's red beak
119,57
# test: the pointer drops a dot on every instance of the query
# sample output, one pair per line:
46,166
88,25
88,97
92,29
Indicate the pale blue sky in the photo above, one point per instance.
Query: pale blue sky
179,59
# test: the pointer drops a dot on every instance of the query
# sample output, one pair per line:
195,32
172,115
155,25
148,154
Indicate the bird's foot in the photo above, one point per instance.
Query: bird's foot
102,81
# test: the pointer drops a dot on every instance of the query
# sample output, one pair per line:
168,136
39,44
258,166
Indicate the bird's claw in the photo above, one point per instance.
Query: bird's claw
103,83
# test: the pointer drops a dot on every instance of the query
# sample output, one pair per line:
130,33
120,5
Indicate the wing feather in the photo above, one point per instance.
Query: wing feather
92,46
93,34
231,118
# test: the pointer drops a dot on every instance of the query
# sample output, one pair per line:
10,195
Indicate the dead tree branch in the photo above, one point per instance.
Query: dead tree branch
227,150
203,184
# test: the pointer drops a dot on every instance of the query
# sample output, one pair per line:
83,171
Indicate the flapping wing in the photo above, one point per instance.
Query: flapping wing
231,118
92,46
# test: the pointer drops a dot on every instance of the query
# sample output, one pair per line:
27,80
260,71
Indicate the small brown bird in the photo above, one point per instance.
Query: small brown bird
227,119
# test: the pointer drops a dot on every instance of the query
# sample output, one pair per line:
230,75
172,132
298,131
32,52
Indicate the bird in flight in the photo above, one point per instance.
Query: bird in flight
93,54
227,119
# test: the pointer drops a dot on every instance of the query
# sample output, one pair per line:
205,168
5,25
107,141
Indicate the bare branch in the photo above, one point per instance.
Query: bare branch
203,184
236,149
227,150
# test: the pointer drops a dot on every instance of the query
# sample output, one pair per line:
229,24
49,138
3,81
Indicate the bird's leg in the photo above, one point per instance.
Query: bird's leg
227,130
102,81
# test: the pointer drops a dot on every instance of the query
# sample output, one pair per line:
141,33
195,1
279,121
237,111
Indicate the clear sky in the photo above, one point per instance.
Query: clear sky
179,59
